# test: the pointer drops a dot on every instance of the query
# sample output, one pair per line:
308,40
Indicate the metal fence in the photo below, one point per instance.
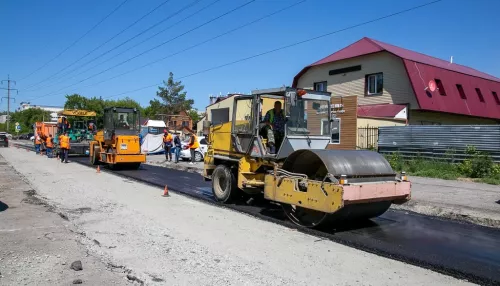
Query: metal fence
367,137
447,142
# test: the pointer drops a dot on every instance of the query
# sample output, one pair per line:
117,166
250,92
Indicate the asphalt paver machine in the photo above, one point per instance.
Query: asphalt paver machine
315,186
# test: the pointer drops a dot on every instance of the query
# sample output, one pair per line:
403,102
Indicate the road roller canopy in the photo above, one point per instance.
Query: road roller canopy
121,120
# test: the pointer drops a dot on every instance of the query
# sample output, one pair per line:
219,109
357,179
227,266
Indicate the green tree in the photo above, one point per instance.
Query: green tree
155,107
173,96
195,116
27,118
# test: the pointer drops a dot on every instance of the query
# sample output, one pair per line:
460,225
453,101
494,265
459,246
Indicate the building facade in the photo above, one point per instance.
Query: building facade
395,86
52,109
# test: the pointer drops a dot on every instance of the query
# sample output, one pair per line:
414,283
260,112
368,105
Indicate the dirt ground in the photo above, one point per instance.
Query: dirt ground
39,245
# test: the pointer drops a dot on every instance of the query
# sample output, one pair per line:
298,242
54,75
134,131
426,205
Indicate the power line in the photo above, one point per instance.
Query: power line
286,46
151,49
203,42
110,39
75,42
152,36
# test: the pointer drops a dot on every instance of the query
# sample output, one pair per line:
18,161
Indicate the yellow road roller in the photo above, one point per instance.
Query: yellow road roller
282,154
117,144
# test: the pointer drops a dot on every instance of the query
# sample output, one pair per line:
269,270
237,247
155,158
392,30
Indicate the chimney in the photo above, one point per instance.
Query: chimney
451,60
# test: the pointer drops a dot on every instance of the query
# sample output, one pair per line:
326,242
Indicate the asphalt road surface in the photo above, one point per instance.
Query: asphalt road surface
458,249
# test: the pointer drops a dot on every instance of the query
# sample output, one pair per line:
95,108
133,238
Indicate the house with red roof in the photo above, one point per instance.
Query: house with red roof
396,86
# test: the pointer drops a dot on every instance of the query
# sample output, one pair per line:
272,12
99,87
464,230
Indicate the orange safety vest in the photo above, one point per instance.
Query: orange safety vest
167,138
64,142
37,140
48,142
195,144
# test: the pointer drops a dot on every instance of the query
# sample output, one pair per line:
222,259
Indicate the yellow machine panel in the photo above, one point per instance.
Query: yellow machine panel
324,197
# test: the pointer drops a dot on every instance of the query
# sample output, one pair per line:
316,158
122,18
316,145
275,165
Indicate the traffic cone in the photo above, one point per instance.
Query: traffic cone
165,192
98,169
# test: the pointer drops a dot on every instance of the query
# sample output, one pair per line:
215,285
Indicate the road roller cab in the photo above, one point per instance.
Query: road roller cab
315,186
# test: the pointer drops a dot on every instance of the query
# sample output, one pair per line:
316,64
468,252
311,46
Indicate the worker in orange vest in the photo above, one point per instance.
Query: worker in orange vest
38,143
167,145
193,145
64,146
49,145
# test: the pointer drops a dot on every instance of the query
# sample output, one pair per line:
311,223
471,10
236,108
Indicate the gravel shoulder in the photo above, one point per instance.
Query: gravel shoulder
38,246
465,201
180,241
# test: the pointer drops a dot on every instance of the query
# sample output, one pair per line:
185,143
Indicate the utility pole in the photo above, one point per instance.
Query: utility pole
8,80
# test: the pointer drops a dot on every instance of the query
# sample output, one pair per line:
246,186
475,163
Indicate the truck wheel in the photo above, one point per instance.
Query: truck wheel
95,156
223,184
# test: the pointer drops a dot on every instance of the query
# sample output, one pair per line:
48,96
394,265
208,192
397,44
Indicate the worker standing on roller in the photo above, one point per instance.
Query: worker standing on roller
49,144
64,146
193,145
167,145
275,120
38,143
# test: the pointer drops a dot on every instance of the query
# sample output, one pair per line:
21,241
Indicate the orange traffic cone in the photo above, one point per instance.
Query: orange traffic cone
165,192
98,169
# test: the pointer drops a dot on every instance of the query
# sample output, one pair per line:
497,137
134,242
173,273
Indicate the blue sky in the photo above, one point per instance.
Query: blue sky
33,32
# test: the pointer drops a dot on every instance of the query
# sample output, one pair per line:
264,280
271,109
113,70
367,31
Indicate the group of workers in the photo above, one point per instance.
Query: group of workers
171,140
64,146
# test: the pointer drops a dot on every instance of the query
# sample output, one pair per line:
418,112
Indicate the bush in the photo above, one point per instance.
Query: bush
479,165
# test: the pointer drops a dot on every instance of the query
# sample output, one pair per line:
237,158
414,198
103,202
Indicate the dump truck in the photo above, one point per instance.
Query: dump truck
117,144
316,187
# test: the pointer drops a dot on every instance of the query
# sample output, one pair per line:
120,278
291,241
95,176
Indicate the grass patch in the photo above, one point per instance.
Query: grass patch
495,180
479,168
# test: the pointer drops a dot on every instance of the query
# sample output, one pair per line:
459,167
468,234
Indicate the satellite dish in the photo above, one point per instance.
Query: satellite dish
432,85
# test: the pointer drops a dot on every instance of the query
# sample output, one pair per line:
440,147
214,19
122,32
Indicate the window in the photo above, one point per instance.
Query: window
203,142
479,94
440,87
320,86
185,123
495,96
374,84
345,70
325,126
461,91
335,131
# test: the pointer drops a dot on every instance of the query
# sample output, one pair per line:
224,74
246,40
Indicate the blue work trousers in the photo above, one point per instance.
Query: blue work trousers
37,148
177,151
64,155
49,152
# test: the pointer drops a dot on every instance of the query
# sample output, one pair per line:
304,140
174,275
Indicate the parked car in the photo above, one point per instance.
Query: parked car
4,140
9,136
25,136
199,153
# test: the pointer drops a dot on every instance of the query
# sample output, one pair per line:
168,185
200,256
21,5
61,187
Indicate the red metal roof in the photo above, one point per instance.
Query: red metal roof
421,69
380,110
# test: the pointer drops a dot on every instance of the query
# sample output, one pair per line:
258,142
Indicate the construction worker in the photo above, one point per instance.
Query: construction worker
38,143
167,145
49,145
275,121
64,146
193,145
177,146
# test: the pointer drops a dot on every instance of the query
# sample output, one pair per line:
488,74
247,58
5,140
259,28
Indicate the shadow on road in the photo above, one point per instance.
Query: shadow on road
3,206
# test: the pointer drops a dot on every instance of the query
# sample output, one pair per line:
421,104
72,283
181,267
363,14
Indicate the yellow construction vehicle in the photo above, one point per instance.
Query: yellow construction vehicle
315,186
118,143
